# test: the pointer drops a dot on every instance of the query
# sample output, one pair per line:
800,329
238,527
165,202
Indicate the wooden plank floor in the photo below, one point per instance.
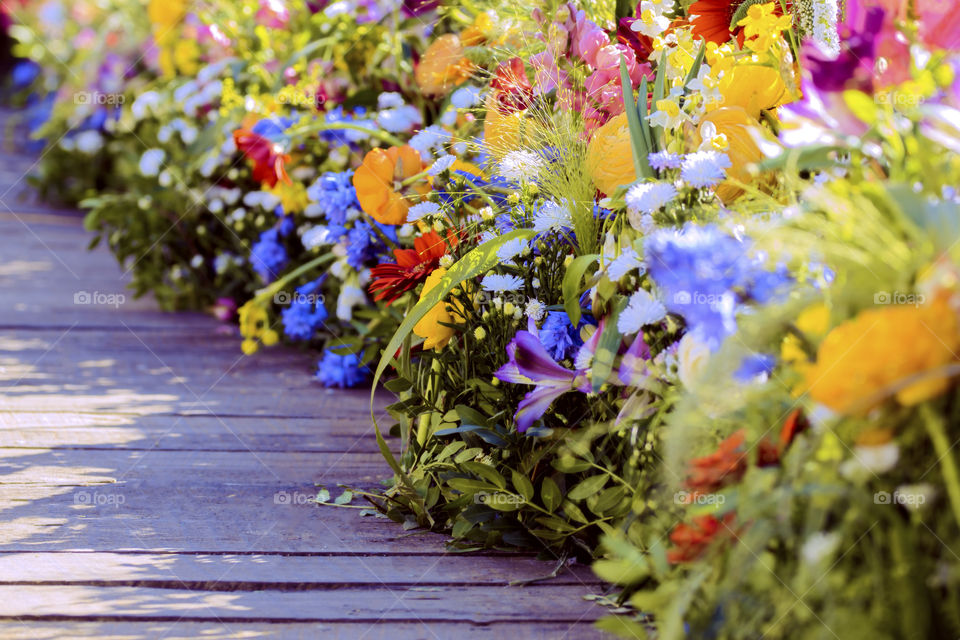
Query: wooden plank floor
153,480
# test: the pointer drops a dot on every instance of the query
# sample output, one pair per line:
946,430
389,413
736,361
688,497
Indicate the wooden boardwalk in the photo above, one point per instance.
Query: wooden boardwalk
153,480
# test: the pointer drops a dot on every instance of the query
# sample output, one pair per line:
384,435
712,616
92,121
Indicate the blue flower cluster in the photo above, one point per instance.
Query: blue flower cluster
350,137
335,194
306,313
341,371
559,336
706,275
268,256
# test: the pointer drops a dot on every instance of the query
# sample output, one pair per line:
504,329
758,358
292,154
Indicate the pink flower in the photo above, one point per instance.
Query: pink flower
273,14
938,27
589,44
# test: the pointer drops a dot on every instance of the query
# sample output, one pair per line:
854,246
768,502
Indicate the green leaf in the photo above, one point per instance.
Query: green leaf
344,498
571,285
450,449
323,495
588,487
569,464
486,472
523,485
607,348
623,627
804,158
642,114
469,485
637,140
397,385
622,571
697,63
658,93
468,454
471,416
550,494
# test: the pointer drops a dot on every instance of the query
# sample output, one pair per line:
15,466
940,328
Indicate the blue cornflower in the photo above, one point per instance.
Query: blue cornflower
705,274
341,371
335,194
560,338
306,312
273,127
754,366
663,160
268,256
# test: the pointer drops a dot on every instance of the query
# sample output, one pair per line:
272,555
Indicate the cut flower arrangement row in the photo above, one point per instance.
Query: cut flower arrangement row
672,288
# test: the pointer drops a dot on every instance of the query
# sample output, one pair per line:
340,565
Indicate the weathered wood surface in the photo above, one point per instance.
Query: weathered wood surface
155,482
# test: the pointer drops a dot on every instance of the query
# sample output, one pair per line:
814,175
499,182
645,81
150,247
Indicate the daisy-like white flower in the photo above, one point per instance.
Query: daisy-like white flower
511,249
668,115
623,264
704,168
441,164
642,310
520,166
152,161
551,215
535,309
496,282
648,197
663,160
421,210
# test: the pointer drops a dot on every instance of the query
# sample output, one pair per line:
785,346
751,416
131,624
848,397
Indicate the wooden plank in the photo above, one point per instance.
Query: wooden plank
346,429
540,630
229,572
374,605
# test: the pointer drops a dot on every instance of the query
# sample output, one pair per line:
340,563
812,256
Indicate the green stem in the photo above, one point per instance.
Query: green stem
268,291
482,194
941,445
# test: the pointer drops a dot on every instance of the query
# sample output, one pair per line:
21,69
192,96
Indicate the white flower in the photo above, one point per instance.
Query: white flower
165,179
652,20
496,282
642,310
152,161
520,166
668,115
535,309
704,168
552,216
402,118
89,142
624,263
914,496
427,139
511,249
389,100
825,16
870,460
465,97
818,547
350,297
421,210
441,164
144,103
316,237
196,261
188,135
692,358
648,197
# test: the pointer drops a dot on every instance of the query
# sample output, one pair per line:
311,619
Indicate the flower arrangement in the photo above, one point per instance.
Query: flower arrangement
670,287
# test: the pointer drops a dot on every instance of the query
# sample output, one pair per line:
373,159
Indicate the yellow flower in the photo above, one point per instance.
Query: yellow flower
862,360
478,32
733,128
293,196
186,53
164,15
255,328
501,131
436,335
754,87
762,27
610,156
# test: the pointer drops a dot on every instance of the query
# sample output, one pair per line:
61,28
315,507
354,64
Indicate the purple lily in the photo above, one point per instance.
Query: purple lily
529,363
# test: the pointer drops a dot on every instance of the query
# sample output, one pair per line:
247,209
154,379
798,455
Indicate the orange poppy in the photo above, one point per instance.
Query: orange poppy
378,182
443,66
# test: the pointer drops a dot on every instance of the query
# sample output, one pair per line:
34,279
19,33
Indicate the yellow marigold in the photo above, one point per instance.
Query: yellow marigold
442,66
255,328
610,156
731,129
436,335
864,357
501,131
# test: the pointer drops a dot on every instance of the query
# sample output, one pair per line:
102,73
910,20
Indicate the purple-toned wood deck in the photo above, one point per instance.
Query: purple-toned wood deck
153,479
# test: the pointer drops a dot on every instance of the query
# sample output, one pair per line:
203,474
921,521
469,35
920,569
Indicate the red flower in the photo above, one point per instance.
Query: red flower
412,266
692,540
725,466
266,157
512,89
713,17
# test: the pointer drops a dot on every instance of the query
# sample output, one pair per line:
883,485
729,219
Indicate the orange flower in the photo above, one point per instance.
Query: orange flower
442,66
692,540
378,182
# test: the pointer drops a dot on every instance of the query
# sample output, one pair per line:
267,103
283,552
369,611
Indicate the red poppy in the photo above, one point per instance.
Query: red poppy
267,158
412,266
713,17
511,87
692,540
